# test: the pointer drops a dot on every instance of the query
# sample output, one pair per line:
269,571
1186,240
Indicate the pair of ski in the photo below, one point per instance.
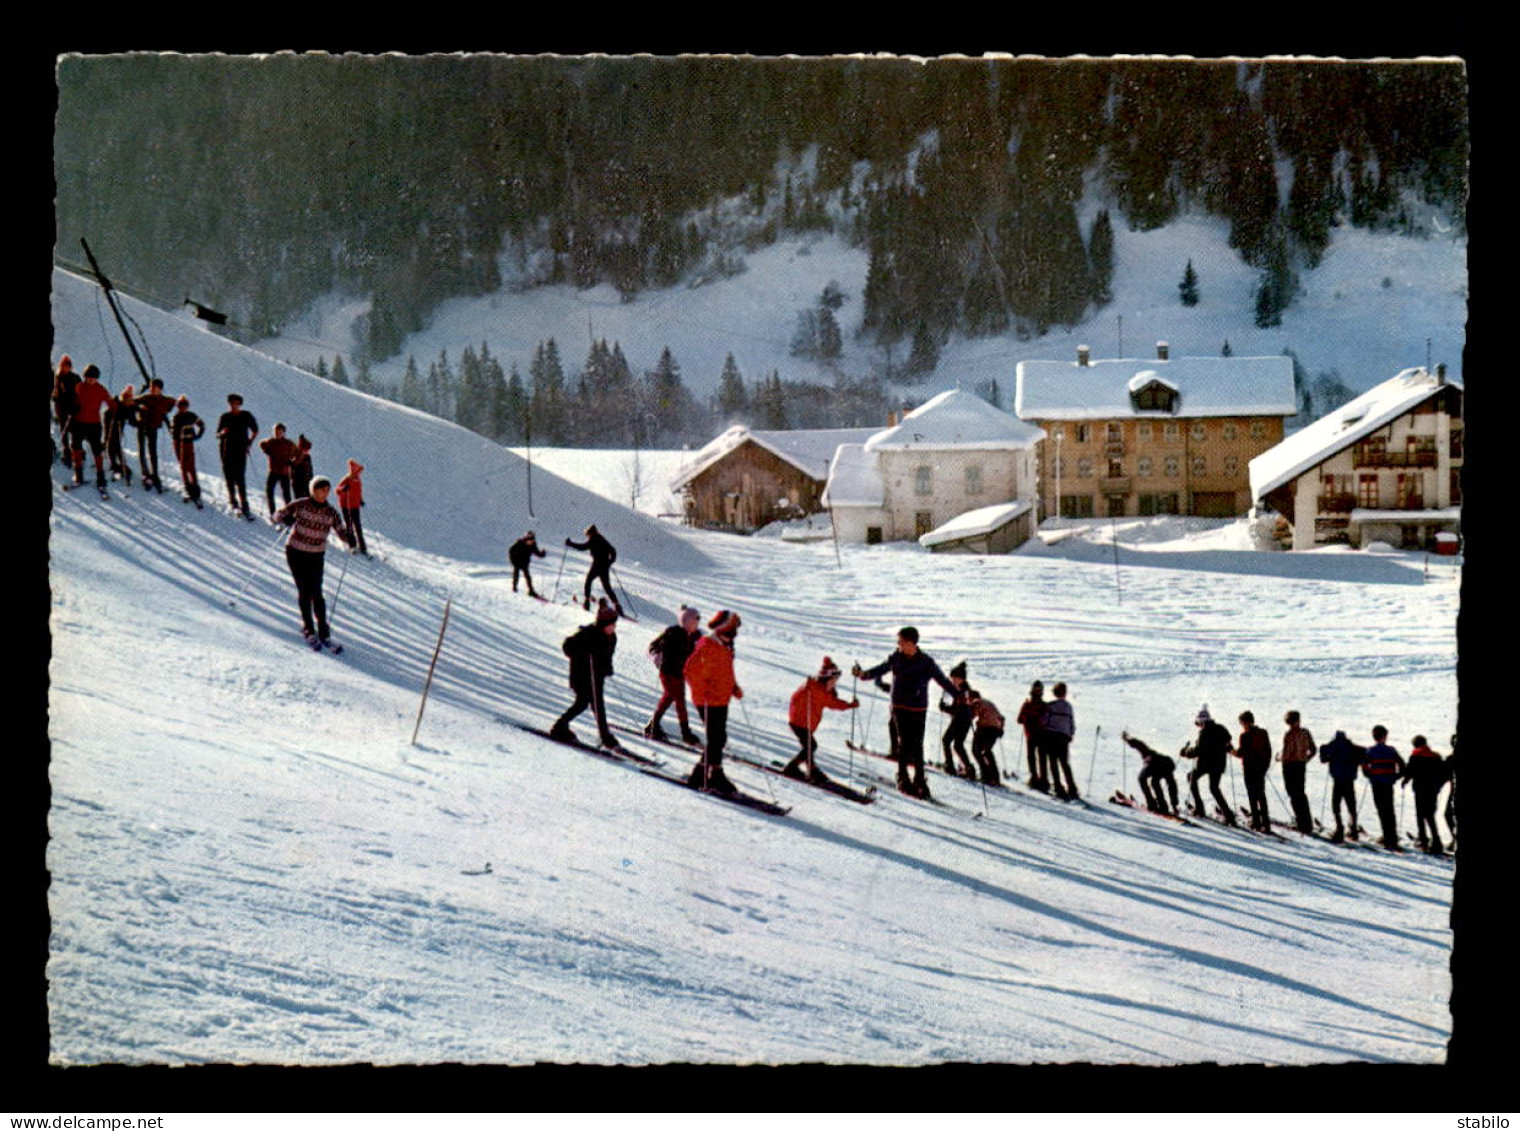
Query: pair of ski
1129,802
316,644
1226,820
828,785
935,801
101,487
654,768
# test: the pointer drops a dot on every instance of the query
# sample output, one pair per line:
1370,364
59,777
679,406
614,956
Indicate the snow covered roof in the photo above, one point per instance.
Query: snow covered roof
1341,428
810,450
854,479
977,523
1205,386
956,419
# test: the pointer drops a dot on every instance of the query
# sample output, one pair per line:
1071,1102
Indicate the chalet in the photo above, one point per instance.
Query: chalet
746,478
1162,435
955,453
1385,467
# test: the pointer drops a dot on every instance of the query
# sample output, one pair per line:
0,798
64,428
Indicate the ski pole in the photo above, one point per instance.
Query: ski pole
258,561
428,683
618,581
1093,764
565,553
339,592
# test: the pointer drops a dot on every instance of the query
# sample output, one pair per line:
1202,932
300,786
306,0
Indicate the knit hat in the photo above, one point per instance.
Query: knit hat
320,481
826,670
65,362
1203,715
724,622
605,614
183,402
959,670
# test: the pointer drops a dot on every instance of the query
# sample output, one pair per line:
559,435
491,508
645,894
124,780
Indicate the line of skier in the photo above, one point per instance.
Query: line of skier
87,414
689,662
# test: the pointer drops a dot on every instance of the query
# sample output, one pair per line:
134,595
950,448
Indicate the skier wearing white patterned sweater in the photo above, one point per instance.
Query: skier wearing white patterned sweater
311,520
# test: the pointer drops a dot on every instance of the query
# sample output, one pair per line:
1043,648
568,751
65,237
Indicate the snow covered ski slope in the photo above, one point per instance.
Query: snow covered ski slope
250,861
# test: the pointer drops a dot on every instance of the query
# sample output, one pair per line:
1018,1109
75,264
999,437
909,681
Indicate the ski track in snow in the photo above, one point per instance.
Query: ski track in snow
251,862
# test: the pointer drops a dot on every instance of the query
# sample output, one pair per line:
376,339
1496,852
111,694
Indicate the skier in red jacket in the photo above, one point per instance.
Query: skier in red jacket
806,711
91,399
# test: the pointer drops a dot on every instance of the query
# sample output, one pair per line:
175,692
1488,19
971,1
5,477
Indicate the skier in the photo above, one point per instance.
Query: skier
311,520
709,673
350,499
300,467
911,669
1297,748
603,554
959,709
590,650
65,381
1057,729
1211,750
804,714
91,399
1254,749
1157,770
122,411
1343,757
1029,717
153,412
235,433
521,554
280,450
670,651
1383,767
1429,773
185,428
1451,794
989,728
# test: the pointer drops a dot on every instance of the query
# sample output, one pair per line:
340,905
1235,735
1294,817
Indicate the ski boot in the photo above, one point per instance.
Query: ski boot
561,733
689,737
656,732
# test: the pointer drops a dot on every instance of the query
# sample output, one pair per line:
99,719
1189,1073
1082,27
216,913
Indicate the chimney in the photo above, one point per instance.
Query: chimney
1084,356
1441,374
1162,351
891,419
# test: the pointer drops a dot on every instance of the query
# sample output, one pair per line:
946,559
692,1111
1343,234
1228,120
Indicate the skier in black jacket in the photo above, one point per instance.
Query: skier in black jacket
1212,751
959,710
590,650
1157,770
911,669
670,650
603,554
521,554
235,432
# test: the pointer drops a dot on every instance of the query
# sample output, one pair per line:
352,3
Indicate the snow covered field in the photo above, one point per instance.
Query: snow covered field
251,862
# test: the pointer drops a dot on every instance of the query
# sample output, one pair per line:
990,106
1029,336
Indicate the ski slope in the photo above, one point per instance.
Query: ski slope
251,862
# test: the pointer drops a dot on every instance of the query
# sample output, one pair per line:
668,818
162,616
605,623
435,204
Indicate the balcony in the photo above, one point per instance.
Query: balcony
1342,503
1117,485
1113,449
1363,456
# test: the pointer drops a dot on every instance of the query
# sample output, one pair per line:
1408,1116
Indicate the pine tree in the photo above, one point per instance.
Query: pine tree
805,335
1100,257
924,355
1188,288
669,401
1225,350
321,367
509,406
830,341
411,384
339,374
548,401
769,402
364,380
733,400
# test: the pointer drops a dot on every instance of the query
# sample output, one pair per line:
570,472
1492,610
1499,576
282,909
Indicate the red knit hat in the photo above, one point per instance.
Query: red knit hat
826,670
724,622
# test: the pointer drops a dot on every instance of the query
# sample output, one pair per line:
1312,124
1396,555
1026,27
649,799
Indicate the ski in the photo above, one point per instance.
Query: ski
317,645
1128,802
828,785
1246,813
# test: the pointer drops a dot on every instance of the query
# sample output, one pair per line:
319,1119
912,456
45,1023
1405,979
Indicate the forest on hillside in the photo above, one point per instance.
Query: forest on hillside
258,184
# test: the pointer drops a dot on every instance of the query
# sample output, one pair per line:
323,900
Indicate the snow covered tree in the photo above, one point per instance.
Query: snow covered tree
830,341
805,334
339,374
1100,257
732,399
1188,288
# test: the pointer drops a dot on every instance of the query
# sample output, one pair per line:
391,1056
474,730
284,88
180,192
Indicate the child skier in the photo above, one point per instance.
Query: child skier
805,713
1030,715
186,427
1254,749
1212,749
300,468
1057,729
280,450
153,412
1156,770
989,728
521,554
311,520
1383,767
350,499
710,675
122,412
953,741
1429,773
590,650
670,651
91,399
1343,757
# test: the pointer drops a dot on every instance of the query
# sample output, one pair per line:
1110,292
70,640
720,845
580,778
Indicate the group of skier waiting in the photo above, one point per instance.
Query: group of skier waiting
89,415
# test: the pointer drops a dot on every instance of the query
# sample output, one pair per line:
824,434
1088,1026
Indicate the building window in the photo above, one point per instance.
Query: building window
1258,429
1367,491
1172,467
1116,469
1143,467
1411,492
1084,431
1114,505
1143,431
1076,506
1084,468
973,479
1158,504
873,535
1115,431
1171,430
1200,466
1227,430
923,480
923,522
1232,465
1199,432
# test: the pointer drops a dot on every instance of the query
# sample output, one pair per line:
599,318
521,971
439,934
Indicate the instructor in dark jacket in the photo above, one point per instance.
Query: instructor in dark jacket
521,554
912,669
603,554
590,650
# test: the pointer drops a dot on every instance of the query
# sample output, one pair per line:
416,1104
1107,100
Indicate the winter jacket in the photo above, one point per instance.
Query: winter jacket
709,673
1152,757
1297,745
1255,749
1059,718
1427,769
603,553
311,522
152,410
65,382
987,716
236,430
675,646
1211,749
90,400
281,451
590,650
186,426
1382,763
521,552
121,413
351,487
1031,715
808,704
1343,757
910,679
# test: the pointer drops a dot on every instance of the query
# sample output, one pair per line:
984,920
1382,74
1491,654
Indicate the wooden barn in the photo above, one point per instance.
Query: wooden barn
746,478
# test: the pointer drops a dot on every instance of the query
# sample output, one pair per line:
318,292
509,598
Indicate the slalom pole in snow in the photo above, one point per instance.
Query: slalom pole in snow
1114,530
448,603
565,553
258,561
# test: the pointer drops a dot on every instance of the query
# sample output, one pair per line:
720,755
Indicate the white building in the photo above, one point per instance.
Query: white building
955,453
1385,467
